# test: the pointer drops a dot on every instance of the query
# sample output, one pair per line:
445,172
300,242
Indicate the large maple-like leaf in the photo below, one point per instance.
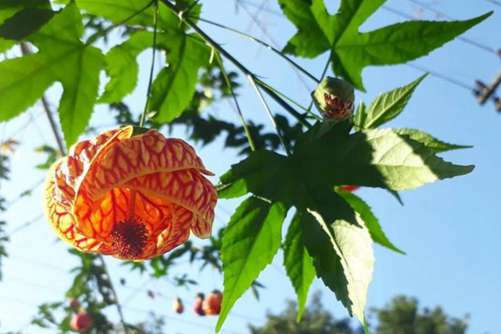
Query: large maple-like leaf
250,241
297,262
62,57
343,257
174,86
372,158
352,50
337,228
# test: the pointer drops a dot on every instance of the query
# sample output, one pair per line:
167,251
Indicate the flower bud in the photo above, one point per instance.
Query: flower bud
334,98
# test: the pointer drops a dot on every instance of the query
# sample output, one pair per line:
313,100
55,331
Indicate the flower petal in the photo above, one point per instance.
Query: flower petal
62,220
186,188
120,161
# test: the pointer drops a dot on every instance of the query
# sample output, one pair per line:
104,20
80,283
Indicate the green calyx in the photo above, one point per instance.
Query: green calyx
334,99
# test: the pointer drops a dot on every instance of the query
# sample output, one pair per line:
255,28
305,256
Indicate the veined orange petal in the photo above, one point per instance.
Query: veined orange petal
62,220
130,196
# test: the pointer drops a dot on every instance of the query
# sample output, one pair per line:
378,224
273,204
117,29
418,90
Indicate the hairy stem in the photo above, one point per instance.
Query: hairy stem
152,67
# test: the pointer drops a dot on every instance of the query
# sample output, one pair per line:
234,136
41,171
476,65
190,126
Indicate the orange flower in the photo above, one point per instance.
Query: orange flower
130,196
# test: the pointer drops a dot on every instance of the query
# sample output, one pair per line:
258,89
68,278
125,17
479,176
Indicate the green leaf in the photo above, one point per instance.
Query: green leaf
297,262
429,141
63,58
25,22
175,85
308,41
325,157
343,258
122,66
6,44
371,158
353,50
378,158
249,176
136,12
20,18
250,241
386,106
369,219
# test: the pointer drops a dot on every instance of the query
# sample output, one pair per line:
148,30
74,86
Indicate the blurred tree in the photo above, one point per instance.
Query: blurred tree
315,320
401,316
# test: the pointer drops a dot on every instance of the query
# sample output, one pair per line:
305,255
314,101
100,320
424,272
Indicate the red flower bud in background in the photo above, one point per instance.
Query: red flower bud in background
212,303
198,305
81,322
177,306
74,304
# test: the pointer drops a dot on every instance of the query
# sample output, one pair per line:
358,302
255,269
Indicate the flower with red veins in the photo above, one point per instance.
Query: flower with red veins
81,321
132,196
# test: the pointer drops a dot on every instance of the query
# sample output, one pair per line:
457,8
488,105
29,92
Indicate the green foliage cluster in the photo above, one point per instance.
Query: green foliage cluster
332,231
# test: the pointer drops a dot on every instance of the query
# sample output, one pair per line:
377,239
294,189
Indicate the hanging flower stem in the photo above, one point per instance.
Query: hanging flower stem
152,67
324,73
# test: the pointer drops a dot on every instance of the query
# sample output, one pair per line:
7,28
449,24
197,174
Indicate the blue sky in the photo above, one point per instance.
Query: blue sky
449,229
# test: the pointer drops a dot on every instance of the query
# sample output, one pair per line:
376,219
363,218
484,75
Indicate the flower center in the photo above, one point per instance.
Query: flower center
128,238
337,108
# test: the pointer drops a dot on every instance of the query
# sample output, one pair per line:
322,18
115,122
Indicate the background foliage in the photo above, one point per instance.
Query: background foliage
306,158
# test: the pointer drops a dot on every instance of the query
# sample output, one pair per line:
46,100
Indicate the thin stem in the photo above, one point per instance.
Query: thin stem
26,50
263,43
288,98
104,32
269,112
235,62
115,295
53,125
152,68
326,67
239,110
324,73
